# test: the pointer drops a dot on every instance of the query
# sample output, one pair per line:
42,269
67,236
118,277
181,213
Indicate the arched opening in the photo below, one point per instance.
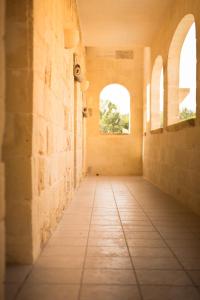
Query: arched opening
182,72
157,94
114,109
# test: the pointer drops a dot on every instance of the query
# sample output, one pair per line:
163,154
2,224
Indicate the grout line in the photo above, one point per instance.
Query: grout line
133,268
86,249
167,245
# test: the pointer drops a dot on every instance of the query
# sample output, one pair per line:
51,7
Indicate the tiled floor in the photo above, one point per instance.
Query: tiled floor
121,239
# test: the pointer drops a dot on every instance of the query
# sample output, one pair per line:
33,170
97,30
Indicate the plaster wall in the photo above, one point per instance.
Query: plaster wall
114,154
171,158
2,116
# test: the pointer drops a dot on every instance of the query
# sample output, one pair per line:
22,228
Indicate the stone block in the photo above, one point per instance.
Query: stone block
18,135
18,178
19,53
19,91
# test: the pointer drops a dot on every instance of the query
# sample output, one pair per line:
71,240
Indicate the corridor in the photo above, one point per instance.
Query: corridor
119,239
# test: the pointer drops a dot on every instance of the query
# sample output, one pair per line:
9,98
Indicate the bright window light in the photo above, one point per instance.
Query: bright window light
187,71
115,109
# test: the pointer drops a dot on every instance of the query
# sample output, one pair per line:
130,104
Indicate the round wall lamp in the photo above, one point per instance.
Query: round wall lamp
85,85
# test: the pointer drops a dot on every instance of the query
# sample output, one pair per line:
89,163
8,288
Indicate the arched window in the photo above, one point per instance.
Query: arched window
157,94
182,72
115,109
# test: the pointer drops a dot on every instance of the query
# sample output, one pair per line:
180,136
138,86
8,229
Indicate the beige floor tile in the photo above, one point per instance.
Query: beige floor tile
56,276
68,262
108,276
132,222
106,222
71,233
107,251
64,251
135,228
145,243
142,235
162,263
177,235
67,241
106,234
108,273
49,292
195,275
163,277
169,293
109,292
105,217
150,252
187,252
190,263
72,227
103,228
108,263
184,243
106,242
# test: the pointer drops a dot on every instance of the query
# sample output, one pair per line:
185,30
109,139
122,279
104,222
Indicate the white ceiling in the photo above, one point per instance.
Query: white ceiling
120,23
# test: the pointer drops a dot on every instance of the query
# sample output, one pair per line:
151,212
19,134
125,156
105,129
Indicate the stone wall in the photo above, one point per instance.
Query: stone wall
114,154
17,151
78,134
39,139
2,116
53,116
171,158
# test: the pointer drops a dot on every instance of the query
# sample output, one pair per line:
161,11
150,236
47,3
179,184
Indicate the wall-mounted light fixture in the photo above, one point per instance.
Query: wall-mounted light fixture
85,112
71,38
85,85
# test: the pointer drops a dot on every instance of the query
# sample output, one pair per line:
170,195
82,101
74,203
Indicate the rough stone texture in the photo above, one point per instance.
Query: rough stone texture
39,139
17,149
54,146
114,154
78,134
171,159
2,115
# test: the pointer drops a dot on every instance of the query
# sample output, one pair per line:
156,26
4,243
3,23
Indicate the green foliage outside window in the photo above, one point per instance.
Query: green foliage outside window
186,114
111,120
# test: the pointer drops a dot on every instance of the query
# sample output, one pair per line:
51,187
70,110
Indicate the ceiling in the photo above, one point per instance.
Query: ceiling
120,23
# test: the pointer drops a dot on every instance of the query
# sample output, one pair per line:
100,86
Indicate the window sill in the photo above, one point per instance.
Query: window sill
114,134
156,131
181,125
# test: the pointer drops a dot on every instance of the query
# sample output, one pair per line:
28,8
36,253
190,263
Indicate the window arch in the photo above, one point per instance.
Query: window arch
157,94
182,72
114,106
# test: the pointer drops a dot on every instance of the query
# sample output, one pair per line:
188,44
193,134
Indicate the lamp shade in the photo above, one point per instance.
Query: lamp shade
85,85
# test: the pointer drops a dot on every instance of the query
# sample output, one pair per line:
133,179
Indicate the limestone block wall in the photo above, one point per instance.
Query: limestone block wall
114,154
2,116
17,150
78,134
171,158
39,140
53,115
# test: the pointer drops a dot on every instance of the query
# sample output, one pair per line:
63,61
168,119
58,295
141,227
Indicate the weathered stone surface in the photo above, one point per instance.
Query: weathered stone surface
171,159
57,113
2,176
